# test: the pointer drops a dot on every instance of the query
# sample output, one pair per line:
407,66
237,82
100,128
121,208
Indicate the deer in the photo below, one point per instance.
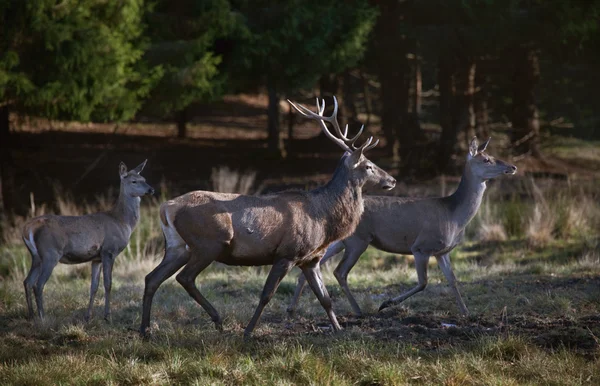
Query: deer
97,238
282,229
422,227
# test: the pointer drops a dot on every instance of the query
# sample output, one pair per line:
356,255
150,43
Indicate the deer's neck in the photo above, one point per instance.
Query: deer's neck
340,202
127,209
465,201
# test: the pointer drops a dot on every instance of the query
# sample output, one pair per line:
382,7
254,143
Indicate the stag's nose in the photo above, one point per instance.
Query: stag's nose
150,192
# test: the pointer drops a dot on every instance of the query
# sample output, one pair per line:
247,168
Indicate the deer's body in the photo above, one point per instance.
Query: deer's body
286,229
250,227
96,238
422,227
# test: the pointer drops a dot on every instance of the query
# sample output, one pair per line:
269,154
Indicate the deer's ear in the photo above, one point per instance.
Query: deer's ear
473,147
138,169
482,147
122,170
354,159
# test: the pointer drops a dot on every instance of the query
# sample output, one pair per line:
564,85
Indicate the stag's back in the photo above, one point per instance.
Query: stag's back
256,229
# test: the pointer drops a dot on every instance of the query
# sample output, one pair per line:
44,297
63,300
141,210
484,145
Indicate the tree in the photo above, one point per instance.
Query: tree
288,46
184,37
71,60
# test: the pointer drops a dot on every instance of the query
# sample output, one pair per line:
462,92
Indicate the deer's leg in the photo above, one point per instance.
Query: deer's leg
29,282
187,279
175,258
277,273
94,287
49,261
312,272
107,266
446,267
354,249
333,250
421,261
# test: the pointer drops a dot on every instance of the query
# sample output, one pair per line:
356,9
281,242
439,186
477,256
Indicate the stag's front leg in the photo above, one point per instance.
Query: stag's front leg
108,260
331,251
277,273
94,287
312,272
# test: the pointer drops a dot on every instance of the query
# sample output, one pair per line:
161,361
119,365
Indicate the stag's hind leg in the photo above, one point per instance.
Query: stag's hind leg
187,277
175,257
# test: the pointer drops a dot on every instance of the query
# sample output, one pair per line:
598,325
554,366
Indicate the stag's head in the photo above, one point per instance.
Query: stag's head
361,170
132,183
483,165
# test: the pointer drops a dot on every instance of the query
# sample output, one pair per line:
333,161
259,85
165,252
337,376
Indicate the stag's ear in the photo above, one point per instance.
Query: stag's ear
482,147
138,169
473,147
354,158
122,170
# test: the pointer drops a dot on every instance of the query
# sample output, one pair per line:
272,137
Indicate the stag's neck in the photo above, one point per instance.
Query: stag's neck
465,201
127,209
341,203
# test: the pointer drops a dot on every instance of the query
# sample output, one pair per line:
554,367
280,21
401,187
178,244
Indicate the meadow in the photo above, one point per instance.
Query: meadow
529,272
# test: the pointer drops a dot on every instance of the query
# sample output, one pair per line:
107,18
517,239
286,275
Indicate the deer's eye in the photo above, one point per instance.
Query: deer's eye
134,182
487,160
369,167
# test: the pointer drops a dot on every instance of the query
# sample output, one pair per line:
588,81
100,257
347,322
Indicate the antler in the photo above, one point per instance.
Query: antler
348,144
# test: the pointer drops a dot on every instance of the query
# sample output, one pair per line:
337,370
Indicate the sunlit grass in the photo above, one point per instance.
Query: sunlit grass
534,315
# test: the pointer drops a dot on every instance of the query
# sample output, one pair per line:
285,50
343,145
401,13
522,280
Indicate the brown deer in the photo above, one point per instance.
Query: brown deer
421,227
97,237
286,229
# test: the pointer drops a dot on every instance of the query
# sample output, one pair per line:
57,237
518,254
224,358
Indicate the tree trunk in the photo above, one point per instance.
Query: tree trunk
7,172
481,104
417,87
349,93
367,97
291,121
390,45
182,118
449,138
468,97
274,140
526,124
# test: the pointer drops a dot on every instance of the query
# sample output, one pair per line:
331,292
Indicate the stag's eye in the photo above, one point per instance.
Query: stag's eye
134,182
369,167
487,160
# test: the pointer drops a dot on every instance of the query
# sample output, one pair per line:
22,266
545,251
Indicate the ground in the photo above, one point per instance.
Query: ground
529,272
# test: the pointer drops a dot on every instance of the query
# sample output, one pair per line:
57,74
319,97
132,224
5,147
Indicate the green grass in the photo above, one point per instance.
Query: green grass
534,318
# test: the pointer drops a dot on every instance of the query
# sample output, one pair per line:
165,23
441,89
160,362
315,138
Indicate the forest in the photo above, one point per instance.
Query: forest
200,89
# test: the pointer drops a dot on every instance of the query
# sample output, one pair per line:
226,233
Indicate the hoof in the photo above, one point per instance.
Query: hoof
383,306
219,326
291,312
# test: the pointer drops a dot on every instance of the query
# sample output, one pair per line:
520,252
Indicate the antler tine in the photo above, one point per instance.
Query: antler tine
371,146
321,119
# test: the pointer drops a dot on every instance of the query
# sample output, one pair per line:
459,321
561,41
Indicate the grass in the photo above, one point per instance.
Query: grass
534,305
